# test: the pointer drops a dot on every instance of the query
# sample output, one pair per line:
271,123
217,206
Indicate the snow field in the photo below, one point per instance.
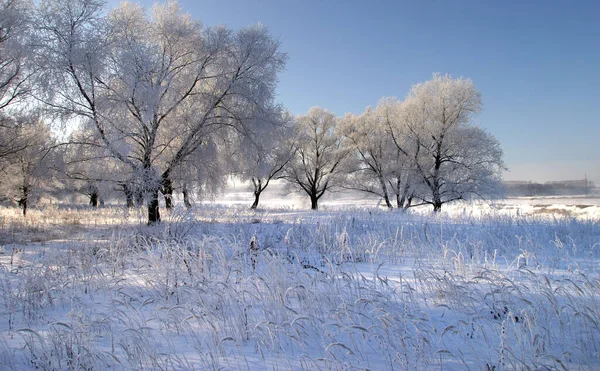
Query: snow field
332,290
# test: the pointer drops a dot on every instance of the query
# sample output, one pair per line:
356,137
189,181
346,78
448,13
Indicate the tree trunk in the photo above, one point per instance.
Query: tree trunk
186,198
399,200
153,210
94,199
128,195
399,197
167,190
257,191
23,201
256,197
386,197
405,199
409,202
130,203
314,202
139,196
437,199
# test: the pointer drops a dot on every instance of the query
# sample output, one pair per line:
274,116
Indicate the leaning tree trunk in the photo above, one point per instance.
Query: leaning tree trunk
256,198
409,202
386,196
257,191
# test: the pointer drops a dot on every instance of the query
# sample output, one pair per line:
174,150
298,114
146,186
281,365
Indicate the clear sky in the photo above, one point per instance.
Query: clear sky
536,64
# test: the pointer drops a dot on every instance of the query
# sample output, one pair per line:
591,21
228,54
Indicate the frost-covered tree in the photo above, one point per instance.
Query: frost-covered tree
372,152
27,174
452,158
204,172
10,142
153,85
15,51
263,154
319,157
377,165
15,72
401,177
87,168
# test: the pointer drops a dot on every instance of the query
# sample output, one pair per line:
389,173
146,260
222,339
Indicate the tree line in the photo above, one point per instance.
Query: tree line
148,103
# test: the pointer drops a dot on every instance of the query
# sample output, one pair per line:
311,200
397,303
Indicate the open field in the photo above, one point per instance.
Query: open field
495,287
276,196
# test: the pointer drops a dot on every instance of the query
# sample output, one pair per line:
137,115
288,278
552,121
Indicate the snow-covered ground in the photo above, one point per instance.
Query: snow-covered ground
277,196
513,285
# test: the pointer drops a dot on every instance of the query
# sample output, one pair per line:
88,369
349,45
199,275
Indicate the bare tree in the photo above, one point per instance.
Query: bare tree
153,87
318,163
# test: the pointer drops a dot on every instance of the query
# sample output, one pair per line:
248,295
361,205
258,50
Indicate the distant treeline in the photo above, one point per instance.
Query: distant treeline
555,188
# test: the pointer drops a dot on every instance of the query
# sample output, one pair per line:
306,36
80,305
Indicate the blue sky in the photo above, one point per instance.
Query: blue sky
536,63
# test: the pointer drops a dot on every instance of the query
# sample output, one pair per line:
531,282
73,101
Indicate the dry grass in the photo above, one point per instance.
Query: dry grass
328,290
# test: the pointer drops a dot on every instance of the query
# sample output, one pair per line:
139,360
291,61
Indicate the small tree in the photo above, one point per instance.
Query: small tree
319,159
87,168
263,154
401,177
204,172
27,172
372,151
